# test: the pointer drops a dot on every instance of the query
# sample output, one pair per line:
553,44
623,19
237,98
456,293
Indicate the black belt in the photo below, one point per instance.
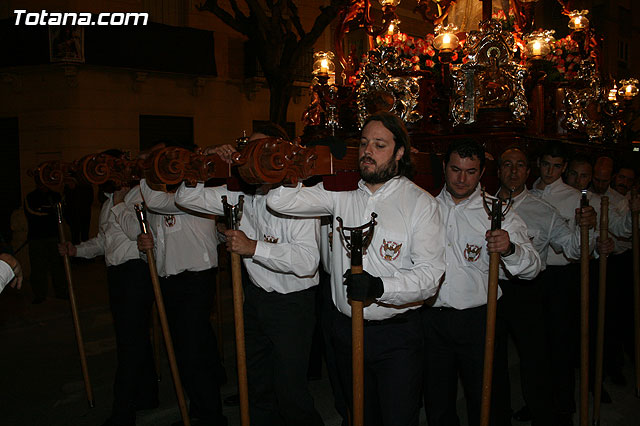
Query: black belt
398,319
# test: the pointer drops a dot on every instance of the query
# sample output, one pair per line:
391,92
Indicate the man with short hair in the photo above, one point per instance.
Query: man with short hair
579,172
131,298
522,304
280,256
624,179
619,288
455,324
563,283
187,262
402,266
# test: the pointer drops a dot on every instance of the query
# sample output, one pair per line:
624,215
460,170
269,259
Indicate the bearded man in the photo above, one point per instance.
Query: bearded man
402,266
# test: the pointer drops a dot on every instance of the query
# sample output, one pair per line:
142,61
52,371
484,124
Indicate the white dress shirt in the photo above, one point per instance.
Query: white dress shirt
545,227
467,258
406,249
326,242
619,204
111,241
566,199
6,274
287,254
183,242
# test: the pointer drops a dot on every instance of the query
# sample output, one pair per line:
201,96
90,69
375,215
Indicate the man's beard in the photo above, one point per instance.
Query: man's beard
379,174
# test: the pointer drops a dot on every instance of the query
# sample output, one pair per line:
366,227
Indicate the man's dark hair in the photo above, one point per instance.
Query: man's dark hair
113,152
555,149
465,148
394,124
581,158
272,129
625,164
516,147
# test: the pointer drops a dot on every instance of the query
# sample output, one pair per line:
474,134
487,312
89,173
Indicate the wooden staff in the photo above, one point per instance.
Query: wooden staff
636,293
357,241
155,281
602,293
496,215
233,214
584,317
74,312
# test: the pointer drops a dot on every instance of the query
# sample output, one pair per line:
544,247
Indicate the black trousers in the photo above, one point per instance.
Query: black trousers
562,314
131,298
619,330
455,341
393,365
522,310
188,298
327,314
278,333
45,261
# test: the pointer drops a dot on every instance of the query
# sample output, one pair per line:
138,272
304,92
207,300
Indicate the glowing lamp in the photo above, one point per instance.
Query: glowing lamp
389,3
394,27
446,40
323,64
538,44
612,93
628,88
578,20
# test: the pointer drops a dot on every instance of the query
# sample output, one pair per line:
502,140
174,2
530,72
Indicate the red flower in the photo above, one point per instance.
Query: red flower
454,57
429,63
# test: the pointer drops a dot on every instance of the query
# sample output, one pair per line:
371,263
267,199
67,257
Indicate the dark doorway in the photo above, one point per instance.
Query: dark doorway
10,192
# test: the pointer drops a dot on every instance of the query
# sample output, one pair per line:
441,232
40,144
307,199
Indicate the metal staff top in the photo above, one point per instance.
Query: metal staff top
358,239
496,211
584,201
233,213
59,212
141,213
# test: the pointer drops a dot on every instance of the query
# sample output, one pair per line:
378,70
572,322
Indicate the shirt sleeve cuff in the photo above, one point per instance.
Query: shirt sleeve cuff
263,249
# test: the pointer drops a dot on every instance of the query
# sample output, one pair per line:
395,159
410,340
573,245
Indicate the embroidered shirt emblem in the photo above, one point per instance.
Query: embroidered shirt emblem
390,250
472,252
270,239
170,220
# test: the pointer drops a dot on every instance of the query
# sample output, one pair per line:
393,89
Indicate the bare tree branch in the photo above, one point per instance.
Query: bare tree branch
295,18
239,23
278,38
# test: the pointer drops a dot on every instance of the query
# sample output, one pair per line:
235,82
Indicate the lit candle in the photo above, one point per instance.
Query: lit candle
324,67
391,28
537,48
577,22
612,94
446,41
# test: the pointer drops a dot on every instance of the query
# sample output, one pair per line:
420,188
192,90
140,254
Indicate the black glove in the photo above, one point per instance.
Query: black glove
362,287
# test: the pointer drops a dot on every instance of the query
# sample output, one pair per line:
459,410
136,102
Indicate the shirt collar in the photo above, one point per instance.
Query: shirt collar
474,197
520,197
551,187
386,188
